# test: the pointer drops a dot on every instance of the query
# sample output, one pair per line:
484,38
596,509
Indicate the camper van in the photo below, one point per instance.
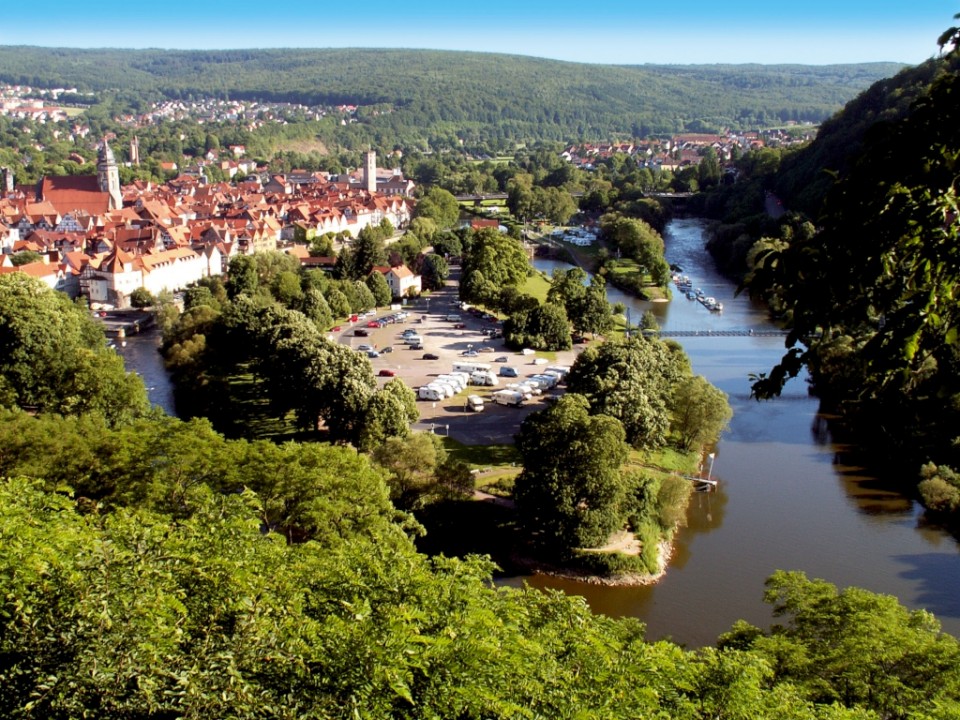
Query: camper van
470,367
430,392
508,397
474,403
483,377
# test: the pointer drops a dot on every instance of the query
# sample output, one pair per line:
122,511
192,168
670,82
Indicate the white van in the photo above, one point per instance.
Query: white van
474,403
430,392
470,367
483,377
413,340
454,380
507,371
453,318
561,370
444,387
508,397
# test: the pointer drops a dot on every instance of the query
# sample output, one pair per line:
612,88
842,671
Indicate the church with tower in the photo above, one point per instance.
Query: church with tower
84,193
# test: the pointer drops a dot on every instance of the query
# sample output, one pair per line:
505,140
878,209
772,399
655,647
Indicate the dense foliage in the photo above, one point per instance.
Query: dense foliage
444,97
55,357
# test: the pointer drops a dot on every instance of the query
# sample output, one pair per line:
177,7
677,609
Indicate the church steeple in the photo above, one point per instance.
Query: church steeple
108,175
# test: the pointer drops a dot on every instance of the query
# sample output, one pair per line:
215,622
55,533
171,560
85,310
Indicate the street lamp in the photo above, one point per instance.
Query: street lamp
712,457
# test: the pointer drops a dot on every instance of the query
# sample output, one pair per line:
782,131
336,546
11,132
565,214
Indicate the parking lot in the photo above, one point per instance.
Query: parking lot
442,337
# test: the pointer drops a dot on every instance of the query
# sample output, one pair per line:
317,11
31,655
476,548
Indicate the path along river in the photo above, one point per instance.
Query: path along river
785,501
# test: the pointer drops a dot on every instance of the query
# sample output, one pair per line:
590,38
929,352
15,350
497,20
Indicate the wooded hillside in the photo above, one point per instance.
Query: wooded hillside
480,96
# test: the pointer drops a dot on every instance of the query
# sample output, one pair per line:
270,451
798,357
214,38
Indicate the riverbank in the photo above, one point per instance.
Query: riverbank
535,567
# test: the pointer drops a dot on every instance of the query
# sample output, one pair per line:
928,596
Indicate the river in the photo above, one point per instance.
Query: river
786,499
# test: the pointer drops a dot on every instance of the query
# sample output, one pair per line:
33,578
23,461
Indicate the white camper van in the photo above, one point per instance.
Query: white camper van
508,397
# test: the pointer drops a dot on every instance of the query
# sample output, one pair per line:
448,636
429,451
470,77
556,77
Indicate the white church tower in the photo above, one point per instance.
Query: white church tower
108,176
370,171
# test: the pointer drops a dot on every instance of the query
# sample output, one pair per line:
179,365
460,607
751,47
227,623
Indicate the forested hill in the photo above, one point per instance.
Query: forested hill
805,176
477,94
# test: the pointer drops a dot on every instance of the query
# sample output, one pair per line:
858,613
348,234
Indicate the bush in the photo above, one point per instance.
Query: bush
141,298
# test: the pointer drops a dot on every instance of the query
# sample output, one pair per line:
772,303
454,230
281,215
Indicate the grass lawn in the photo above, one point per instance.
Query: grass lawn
483,457
536,285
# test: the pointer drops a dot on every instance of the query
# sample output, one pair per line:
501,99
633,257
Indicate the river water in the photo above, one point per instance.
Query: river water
786,499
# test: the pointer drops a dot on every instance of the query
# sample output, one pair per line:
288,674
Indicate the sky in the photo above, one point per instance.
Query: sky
814,32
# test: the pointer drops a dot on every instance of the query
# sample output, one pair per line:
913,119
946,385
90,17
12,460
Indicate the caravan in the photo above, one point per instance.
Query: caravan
513,398
470,367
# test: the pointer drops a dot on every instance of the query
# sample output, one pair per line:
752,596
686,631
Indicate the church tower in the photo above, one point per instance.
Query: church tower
135,151
108,176
370,171
6,181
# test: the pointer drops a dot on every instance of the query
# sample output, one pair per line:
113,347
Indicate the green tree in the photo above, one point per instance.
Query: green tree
141,298
25,257
242,277
633,381
286,289
389,413
544,327
379,288
367,251
853,647
439,206
500,259
54,358
434,272
570,493
700,412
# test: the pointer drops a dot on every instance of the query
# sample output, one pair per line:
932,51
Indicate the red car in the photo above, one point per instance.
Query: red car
386,372
373,324
336,328
459,326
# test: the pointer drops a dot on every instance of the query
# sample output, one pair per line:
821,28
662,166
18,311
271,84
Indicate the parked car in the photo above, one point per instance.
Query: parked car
417,346
364,348
502,358
469,353
459,326
431,356
386,372
388,348
372,354
336,328
373,324
360,332
487,350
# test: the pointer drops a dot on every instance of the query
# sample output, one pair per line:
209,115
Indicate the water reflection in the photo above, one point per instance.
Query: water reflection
791,496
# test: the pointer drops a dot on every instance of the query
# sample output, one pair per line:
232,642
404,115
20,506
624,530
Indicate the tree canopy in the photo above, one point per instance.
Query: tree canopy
54,357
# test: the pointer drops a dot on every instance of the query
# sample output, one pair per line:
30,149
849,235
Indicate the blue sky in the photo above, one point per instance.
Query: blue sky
598,31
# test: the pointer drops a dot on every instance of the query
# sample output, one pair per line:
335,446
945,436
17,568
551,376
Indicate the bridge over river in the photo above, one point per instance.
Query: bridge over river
749,332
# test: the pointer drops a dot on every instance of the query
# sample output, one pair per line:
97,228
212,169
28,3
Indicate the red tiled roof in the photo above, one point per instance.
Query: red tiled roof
78,192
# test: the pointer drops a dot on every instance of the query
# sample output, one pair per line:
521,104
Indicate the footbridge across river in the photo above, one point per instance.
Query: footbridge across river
764,332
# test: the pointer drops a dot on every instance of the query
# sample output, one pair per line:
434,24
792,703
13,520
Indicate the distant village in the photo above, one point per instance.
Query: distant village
101,242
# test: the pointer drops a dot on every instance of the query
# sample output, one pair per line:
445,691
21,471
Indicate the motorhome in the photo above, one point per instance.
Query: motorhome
470,367
483,377
474,403
508,397
561,370
546,382
430,392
